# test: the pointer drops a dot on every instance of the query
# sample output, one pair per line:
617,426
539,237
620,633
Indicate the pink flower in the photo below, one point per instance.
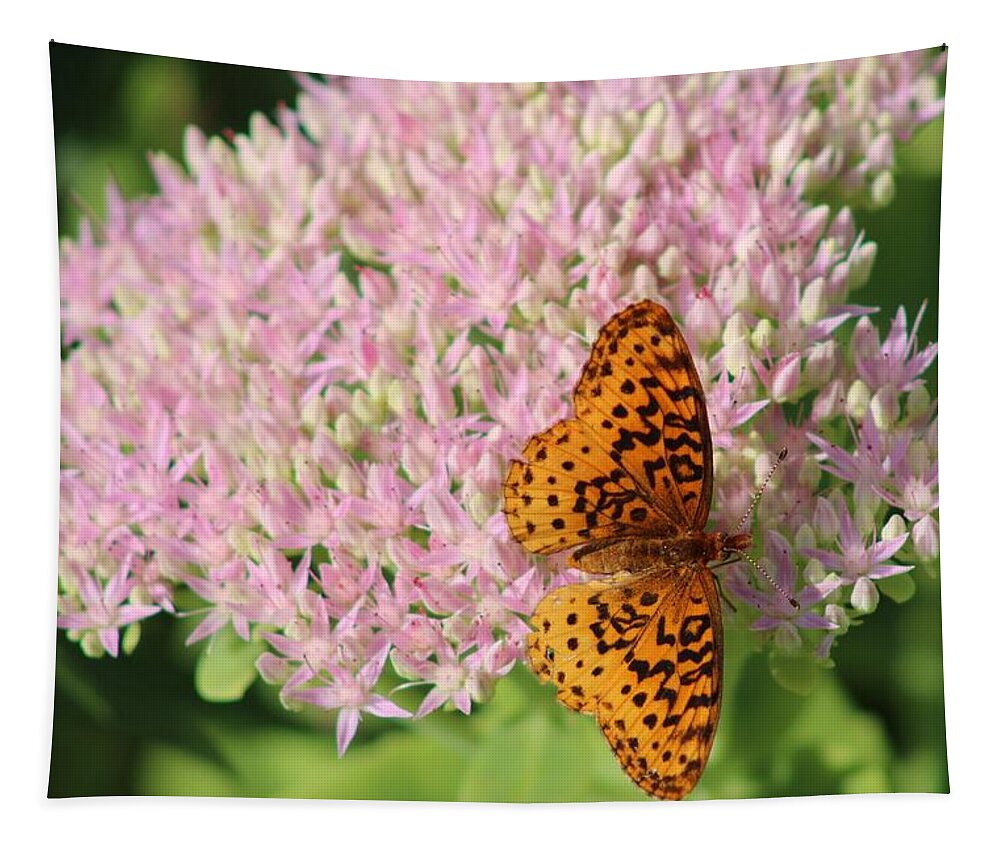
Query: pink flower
896,363
775,603
104,609
296,376
351,694
855,559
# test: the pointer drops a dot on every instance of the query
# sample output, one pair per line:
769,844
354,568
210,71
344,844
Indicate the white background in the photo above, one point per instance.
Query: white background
503,40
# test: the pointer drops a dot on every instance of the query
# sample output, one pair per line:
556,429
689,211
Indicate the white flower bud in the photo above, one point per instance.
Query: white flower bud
820,363
813,306
894,528
416,463
644,283
785,152
763,463
241,540
814,572
735,331
670,263
130,637
531,305
397,399
736,345
860,265
864,596
883,189
805,537
885,408
813,122
763,335
91,645
480,507
346,431
609,139
674,140
859,397
925,538
739,287
480,687
801,177
504,195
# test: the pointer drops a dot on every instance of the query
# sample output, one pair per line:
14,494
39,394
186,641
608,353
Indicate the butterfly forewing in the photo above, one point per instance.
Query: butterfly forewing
636,460
567,493
640,390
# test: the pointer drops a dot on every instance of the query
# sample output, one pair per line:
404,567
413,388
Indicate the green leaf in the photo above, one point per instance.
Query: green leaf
797,672
921,155
898,588
531,748
227,667
286,763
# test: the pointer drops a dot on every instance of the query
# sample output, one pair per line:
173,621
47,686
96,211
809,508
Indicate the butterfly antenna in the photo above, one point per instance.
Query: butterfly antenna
757,566
760,491
746,517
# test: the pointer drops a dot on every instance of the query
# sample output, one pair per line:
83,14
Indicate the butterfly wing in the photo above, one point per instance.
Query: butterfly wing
640,390
568,492
645,657
636,460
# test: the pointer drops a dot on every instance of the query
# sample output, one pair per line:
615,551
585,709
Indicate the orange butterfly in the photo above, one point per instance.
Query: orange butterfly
628,480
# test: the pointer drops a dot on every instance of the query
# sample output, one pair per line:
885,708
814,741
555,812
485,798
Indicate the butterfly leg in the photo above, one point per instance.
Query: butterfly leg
725,598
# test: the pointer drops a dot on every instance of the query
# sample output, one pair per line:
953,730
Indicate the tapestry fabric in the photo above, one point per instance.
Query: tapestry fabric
440,441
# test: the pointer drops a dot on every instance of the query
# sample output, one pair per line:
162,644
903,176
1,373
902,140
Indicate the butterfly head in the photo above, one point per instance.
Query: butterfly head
713,546
738,543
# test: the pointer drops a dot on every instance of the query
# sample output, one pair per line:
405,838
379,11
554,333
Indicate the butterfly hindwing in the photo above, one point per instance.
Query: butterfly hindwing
644,655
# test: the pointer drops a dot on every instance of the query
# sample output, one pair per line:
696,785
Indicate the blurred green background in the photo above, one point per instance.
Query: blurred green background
137,725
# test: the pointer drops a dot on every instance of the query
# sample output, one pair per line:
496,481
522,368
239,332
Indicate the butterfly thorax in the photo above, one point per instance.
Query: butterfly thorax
683,550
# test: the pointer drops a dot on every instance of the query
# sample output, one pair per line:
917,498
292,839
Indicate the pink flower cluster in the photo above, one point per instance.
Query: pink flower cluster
295,377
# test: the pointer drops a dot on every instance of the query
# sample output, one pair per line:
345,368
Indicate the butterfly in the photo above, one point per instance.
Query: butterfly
627,481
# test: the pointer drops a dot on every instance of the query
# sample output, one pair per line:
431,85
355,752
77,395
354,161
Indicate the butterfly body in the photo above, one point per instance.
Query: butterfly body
691,548
627,484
